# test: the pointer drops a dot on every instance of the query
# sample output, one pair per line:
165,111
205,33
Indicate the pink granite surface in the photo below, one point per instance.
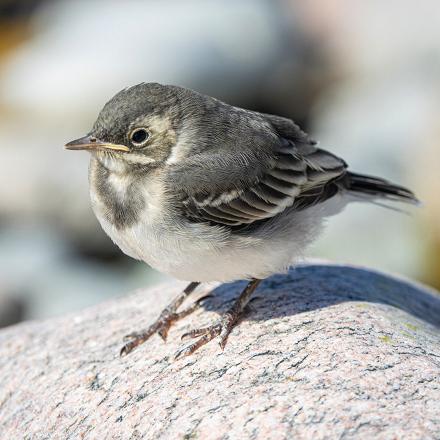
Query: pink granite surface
324,352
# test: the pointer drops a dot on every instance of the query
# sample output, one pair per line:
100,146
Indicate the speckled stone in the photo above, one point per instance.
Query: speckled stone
324,352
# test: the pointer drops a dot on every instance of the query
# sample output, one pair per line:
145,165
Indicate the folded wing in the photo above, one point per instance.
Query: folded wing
299,175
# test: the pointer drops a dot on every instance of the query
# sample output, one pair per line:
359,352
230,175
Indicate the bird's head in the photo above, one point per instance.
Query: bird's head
138,127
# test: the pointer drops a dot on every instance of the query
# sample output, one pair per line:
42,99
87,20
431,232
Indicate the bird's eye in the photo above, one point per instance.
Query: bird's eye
139,137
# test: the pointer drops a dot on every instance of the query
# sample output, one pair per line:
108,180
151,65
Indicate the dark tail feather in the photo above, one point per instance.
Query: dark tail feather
376,187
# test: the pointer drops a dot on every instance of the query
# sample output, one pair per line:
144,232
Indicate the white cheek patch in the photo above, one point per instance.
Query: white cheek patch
133,158
119,183
174,156
111,162
118,163
183,146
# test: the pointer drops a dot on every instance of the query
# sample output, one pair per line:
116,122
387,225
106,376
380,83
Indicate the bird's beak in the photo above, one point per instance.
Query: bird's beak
92,143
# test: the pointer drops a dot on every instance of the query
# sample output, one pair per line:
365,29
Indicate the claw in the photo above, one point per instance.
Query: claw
222,342
163,323
183,352
130,336
195,333
191,348
126,349
163,333
206,334
202,298
221,328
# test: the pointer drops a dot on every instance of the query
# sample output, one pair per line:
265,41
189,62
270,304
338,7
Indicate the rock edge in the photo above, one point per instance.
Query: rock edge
325,351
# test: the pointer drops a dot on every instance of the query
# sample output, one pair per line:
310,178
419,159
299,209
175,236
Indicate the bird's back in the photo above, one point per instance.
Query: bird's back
240,194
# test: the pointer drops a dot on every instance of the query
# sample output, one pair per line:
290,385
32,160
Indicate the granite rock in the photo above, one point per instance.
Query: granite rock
324,352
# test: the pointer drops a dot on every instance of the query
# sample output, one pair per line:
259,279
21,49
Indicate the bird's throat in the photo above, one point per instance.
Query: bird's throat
116,194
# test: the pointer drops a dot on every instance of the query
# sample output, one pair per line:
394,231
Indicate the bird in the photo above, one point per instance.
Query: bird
205,191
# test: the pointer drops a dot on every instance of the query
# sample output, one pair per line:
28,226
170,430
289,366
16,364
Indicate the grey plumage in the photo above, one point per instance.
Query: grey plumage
203,190
122,212
243,166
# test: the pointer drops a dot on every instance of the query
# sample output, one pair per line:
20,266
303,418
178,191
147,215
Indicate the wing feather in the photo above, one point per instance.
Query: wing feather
277,167
294,180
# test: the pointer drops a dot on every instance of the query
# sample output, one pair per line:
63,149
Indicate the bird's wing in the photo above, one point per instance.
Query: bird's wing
295,174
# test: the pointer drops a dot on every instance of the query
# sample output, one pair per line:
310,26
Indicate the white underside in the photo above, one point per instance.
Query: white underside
199,252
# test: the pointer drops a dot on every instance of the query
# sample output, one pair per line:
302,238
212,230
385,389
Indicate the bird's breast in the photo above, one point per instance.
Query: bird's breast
127,206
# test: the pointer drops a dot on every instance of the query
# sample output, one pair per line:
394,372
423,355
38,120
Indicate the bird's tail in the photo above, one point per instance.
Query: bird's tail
377,188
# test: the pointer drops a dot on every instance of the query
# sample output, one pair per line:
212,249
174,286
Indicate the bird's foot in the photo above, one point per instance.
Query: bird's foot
221,328
161,326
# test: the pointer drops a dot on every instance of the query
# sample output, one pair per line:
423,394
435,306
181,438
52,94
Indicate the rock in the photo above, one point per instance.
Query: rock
324,352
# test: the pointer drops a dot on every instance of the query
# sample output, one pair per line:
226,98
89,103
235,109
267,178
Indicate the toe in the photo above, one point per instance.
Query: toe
130,336
195,333
126,349
223,340
183,352
208,334
163,333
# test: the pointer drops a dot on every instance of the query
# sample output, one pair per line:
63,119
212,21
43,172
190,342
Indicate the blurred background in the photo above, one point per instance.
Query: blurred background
362,77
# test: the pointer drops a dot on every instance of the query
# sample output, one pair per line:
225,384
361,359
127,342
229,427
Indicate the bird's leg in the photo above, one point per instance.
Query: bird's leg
161,326
222,327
